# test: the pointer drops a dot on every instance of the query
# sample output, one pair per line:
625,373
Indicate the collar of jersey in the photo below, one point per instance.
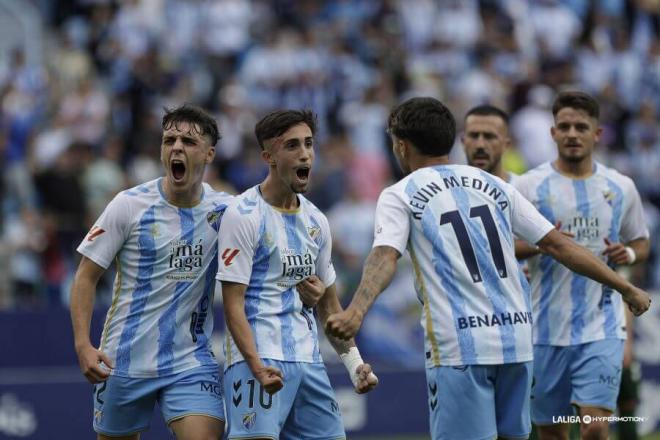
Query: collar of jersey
162,195
282,210
594,170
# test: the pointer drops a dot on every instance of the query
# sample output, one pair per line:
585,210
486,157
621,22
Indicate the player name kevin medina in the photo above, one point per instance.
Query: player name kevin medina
425,194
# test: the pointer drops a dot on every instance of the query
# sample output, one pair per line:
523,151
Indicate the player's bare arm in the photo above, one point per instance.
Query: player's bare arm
524,250
233,295
83,293
379,268
311,290
364,379
582,261
629,253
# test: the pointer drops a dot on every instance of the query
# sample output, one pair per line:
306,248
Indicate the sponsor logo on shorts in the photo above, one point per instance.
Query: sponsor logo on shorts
249,420
433,401
211,388
611,381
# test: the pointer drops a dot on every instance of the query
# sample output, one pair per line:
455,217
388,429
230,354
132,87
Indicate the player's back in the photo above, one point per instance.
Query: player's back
476,306
161,315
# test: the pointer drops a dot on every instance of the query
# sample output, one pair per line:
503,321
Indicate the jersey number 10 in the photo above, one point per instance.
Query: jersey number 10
454,218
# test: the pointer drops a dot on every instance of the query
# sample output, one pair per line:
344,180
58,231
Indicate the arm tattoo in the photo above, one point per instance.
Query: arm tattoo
378,272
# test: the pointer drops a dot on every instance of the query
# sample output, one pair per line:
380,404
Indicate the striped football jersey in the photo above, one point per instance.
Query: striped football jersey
458,224
271,250
161,315
570,309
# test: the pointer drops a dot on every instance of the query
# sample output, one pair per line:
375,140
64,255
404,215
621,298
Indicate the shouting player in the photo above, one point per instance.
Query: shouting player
155,344
272,239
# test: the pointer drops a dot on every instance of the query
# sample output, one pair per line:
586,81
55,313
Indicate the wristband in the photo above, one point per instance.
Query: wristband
632,256
352,360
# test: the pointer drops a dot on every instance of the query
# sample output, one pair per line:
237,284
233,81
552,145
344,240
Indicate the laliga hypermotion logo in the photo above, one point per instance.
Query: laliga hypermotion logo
94,232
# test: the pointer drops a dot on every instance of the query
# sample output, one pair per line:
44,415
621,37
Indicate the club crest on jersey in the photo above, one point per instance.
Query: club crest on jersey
249,420
215,217
314,232
94,232
609,197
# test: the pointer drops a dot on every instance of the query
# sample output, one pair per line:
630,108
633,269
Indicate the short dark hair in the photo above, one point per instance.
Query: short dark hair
488,110
278,122
576,100
192,115
426,123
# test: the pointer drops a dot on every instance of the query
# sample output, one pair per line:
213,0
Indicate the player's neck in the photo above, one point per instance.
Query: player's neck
575,170
419,161
499,172
184,198
278,195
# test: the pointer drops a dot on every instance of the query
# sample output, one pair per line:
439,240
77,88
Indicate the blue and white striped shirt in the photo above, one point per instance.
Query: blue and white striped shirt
271,250
457,222
570,309
161,315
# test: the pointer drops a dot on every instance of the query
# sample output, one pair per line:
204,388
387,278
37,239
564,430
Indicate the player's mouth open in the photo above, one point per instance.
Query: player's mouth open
303,173
178,169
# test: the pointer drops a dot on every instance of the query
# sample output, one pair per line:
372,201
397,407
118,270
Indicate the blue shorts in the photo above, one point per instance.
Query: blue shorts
581,375
123,406
304,409
475,402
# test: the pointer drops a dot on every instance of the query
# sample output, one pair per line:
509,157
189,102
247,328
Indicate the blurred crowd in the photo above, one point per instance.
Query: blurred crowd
82,96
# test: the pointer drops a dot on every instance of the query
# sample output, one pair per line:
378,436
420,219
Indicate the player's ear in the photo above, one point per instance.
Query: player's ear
599,131
210,155
403,148
267,157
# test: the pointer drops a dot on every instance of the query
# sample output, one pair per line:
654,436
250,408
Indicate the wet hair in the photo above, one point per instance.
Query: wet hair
276,123
426,123
196,116
488,110
578,101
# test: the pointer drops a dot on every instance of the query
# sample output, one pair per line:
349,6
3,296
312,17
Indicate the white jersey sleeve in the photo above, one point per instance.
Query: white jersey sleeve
527,223
109,233
392,226
633,224
238,236
324,267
